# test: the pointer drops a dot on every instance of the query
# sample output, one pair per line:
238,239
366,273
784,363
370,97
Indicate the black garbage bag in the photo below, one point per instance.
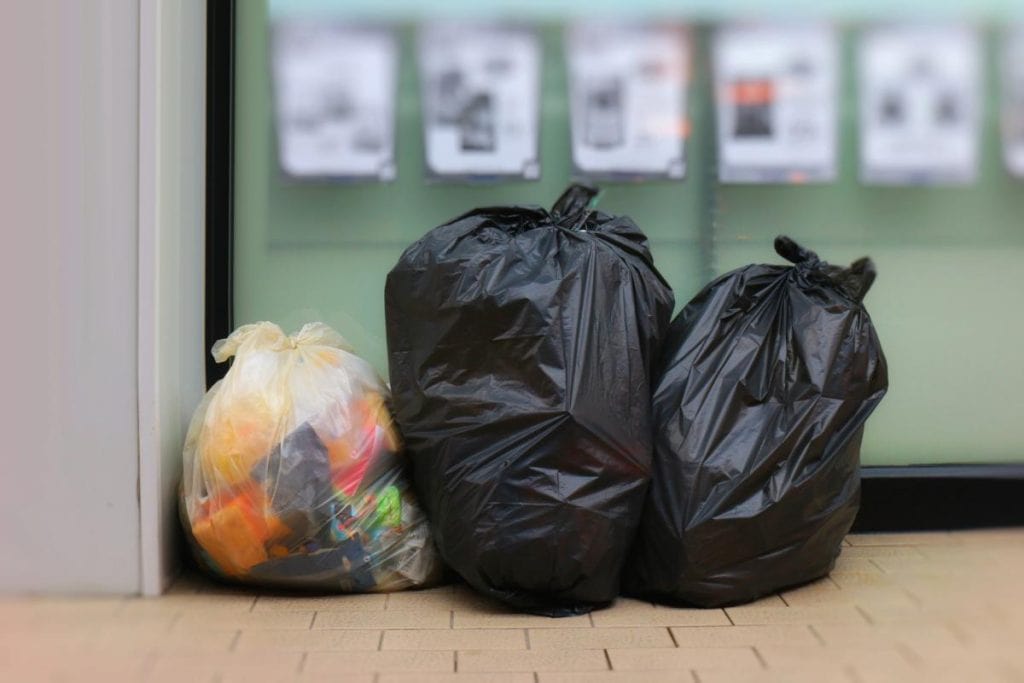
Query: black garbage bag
521,344
763,388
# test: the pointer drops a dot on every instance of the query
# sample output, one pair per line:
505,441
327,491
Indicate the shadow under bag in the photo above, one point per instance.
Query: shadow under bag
521,344
764,385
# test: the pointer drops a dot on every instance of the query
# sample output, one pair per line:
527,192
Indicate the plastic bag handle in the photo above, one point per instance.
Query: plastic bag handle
793,252
574,202
864,272
855,280
269,336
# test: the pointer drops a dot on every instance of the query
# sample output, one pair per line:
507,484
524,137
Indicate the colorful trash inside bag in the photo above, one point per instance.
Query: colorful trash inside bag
293,475
521,344
764,385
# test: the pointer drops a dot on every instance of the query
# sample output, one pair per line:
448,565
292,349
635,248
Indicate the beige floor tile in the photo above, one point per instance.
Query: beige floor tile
505,618
246,621
190,603
684,658
773,600
930,607
905,538
917,635
998,537
175,642
599,638
321,603
856,578
37,646
384,619
457,639
99,606
244,677
68,627
828,593
810,593
319,640
265,666
627,612
744,636
411,661
53,614
443,597
506,677
932,613
795,656
890,552
87,668
479,661
802,674
683,676
846,562
826,614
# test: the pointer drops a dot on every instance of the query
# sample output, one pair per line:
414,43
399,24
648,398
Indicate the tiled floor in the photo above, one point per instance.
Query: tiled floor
914,607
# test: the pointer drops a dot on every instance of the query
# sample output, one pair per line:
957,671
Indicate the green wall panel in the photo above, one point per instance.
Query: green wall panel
946,303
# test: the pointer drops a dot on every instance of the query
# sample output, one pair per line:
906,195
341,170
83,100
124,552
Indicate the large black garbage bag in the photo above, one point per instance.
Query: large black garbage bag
764,385
521,344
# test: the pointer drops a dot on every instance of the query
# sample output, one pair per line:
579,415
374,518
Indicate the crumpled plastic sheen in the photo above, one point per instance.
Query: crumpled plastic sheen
521,344
293,471
765,383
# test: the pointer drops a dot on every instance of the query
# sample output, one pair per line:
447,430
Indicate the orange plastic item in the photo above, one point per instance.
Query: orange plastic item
235,533
234,442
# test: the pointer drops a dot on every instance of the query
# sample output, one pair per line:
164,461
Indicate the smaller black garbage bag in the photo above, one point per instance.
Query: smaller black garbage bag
521,344
763,388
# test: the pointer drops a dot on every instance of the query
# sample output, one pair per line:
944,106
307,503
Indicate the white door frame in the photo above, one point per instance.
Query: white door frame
171,193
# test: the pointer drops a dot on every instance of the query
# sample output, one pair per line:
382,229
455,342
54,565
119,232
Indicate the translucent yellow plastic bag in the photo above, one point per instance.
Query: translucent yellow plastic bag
292,470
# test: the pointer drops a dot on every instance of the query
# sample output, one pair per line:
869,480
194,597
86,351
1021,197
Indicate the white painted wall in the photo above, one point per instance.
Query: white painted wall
69,515
171,214
101,316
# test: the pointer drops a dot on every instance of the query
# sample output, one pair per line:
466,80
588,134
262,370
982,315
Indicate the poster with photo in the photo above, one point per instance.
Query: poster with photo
1013,101
776,91
627,98
920,101
334,89
481,99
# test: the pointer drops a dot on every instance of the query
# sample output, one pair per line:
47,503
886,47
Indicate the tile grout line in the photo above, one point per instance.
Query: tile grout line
817,636
672,637
696,678
456,660
234,641
729,617
783,598
908,654
302,662
863,613
526,633
760,657
608,660
913,597
312,621
380,641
